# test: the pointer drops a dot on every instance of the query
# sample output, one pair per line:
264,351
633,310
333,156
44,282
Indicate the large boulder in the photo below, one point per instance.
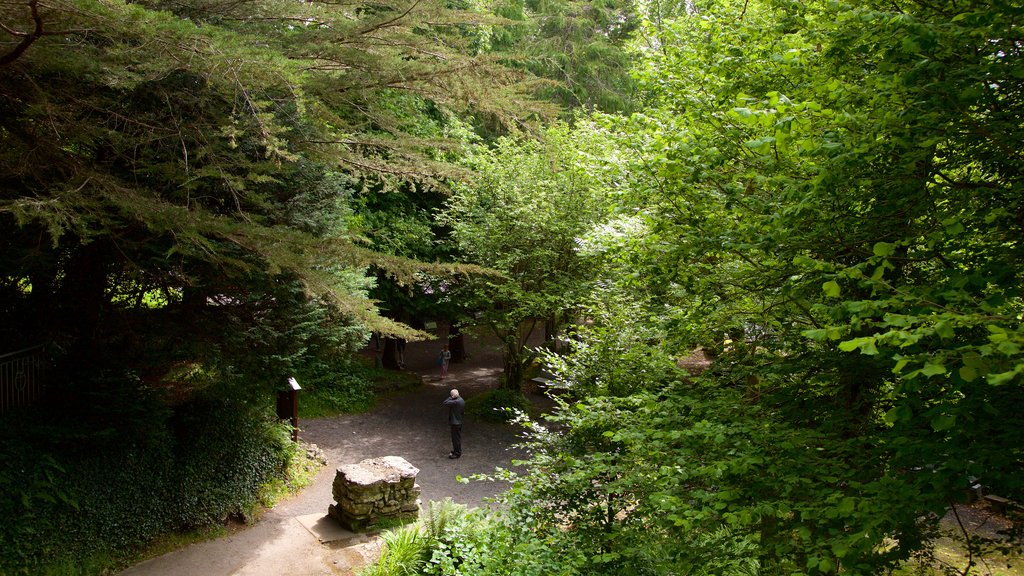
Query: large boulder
375,492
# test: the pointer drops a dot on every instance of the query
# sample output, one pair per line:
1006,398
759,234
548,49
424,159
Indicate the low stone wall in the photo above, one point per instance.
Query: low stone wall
375,491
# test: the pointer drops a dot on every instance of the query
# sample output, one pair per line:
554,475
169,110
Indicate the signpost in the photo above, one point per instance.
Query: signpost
288,406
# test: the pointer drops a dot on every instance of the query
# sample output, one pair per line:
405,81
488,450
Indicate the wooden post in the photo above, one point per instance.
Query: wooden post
288,406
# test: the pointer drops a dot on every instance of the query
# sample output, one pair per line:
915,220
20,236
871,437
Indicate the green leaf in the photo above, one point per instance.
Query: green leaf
1001,378
761,145
955,229
943,422
900,365
849,345
932,369
868,347
1009,348
831,289
944,330
866,344
818,334
840,549
968,373
883,249
897,413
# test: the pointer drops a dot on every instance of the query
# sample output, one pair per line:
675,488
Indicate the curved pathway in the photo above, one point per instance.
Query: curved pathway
412,425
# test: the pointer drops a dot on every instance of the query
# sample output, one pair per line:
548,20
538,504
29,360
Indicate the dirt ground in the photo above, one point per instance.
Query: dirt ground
412,425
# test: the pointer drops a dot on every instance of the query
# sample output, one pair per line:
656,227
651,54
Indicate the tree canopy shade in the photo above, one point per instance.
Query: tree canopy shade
184,221
826,196
208,150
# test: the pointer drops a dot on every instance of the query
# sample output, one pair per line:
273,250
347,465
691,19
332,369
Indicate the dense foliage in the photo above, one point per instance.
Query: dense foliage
98,484
522,216
183,216
823,197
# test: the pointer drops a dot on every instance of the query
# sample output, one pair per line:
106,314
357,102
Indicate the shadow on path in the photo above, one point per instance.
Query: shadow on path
412,425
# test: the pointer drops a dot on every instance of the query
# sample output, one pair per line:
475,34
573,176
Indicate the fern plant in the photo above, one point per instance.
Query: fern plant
404,553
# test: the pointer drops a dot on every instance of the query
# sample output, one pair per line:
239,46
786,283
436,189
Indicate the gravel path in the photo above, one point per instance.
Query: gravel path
412,425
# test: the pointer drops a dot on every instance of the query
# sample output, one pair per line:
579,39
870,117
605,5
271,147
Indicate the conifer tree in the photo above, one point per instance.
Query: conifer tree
203,152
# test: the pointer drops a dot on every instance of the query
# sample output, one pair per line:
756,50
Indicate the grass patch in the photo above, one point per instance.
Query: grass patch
353,391
300,473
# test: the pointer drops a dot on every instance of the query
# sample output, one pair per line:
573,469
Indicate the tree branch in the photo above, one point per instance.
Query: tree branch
27,38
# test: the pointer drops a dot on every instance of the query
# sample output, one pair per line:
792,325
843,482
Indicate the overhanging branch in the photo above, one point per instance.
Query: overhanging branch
27,38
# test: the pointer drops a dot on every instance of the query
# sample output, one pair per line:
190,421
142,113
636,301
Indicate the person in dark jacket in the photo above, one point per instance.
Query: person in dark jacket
456,407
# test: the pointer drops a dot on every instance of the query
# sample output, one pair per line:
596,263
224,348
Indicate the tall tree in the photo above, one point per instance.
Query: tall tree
581,48
822,195
830,188
205,151
524,216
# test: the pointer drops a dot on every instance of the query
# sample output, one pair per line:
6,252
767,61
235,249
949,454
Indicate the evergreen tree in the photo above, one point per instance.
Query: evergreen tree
203,153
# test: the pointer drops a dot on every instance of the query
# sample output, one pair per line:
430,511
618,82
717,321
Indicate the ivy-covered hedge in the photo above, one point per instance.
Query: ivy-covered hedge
78,484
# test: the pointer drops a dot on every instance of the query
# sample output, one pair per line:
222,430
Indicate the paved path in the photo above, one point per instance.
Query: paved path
412,425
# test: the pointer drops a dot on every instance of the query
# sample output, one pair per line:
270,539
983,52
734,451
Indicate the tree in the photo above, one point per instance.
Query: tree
205,154
822,195
834,179
581,48
179,195
524,216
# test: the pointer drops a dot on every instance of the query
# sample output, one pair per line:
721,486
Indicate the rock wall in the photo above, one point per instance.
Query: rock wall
375,491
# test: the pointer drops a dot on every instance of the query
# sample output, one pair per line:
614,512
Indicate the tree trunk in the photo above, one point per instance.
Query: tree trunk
83,300
457,344
389,359
512,359
551,333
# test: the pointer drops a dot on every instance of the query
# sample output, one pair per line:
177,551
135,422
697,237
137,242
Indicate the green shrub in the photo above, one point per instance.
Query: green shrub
81,489
456,539
32,486
441,543
338,394
404,553
497,405
226,450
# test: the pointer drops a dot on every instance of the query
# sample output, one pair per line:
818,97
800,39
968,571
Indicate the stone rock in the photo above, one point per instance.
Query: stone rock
374,491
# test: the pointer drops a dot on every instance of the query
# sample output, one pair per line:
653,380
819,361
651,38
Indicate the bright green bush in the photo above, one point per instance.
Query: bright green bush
446,541
497,405
404,553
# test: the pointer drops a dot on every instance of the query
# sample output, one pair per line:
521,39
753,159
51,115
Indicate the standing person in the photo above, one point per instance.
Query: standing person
443,359
456,407
400,348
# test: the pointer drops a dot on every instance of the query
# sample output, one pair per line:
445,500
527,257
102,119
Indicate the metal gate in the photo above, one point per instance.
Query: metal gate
21,377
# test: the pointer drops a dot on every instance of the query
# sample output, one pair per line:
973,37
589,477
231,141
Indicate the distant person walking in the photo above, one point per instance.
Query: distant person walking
456,407
443,360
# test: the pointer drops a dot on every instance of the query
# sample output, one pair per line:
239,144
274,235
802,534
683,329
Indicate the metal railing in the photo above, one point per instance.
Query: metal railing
22,377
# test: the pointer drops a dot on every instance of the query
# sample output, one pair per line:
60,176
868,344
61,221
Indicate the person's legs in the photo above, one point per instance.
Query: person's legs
456,441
